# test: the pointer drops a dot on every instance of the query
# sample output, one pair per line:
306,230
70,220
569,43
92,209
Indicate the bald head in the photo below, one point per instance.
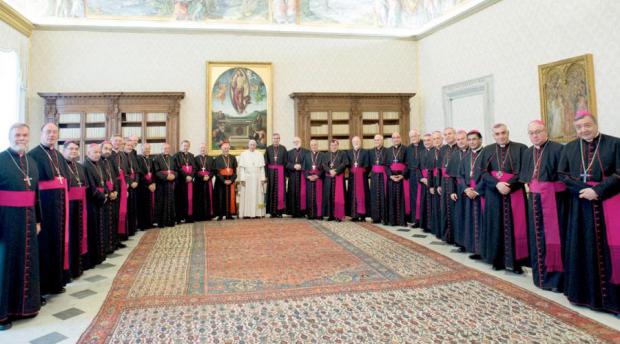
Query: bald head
414,136
49,134
449,135
356,142
396,139
378,141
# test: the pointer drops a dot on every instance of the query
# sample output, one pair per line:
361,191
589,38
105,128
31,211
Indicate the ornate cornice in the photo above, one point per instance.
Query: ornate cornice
15,20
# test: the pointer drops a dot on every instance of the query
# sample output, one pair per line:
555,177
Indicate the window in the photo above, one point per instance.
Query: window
9,94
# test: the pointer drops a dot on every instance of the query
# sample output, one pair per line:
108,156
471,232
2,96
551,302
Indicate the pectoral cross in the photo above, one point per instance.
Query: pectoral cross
275,158
60,179
27,180
79,183
203,169
585,176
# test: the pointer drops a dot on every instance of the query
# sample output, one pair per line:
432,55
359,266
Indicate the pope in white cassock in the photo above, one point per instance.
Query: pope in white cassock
252,182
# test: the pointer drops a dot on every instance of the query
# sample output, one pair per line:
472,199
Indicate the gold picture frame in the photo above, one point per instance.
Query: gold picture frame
239,105
566,88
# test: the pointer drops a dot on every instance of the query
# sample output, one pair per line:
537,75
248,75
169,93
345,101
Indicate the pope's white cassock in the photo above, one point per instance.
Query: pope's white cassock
251,177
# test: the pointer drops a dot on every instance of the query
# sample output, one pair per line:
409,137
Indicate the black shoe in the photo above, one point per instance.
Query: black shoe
5,325
219,218
330,219
229,218
354,219
497,268
461,249
415,225
376,221
338,220
60,291
517,271
43,301
121,245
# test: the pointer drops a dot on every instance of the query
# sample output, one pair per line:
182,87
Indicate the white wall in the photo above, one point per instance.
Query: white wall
80,61
509,40
13,40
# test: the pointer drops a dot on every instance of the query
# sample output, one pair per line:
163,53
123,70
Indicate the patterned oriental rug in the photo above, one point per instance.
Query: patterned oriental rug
298,281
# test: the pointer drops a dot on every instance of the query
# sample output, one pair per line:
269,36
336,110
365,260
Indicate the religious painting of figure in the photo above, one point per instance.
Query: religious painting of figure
239,105
566,88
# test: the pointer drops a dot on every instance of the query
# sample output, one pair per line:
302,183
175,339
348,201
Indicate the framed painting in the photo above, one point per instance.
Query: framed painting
239,105
566,87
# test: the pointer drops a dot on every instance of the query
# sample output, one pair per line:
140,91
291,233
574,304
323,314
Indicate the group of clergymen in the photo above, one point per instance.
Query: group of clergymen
553,207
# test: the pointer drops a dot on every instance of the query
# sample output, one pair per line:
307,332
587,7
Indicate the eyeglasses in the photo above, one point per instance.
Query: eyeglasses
535,132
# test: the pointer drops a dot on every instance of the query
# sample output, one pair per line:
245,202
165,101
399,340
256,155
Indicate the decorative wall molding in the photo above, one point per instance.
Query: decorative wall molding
15,20
475,87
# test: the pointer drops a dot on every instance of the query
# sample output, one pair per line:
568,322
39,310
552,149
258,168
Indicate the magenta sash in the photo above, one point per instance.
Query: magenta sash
517,203
400,167
472,184
339,197
17,199
303,191
209,186
78,193
380,169
280,170
360,195
53,185
100,189
611,213
110,185
188,169
553,248
318,190
122,211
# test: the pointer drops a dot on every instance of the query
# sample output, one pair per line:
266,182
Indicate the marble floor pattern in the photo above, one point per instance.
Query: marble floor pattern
66,316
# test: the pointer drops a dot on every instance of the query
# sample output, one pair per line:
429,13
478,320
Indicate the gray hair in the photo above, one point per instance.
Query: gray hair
17,125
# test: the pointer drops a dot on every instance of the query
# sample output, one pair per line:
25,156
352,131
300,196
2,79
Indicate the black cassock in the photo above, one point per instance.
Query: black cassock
458,207
313,166
593,263
185,166
146,197
163,166
505,219
110,208
54,200
121,164
275,170
471,226
378,185
546,218
427,171
203,189
358,191
133,175
78,217
224,196
98,234
435,198
296,188
334,192
414,154
398,192
19,252
446,207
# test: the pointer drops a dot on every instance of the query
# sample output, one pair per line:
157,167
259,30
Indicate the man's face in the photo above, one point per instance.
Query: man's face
333,146
94,153
71,152
437,140
128,147
134,141
19,139
450,136
501,135
314,146
106,150
378,140
428,142
461,140
49,135
414,137
117,142
185,147
474,141
225,148
165,149
275,139
395,139
252,146
586,128
537,133
203,149
357,143
146,149
296,142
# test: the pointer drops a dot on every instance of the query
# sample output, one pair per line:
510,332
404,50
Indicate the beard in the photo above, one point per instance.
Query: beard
19,147
105,155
